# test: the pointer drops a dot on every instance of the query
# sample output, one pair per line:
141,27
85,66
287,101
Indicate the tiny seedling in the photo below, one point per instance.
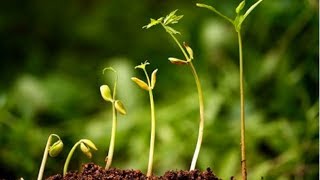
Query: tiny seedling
149,86
237,22
85,145
166,23
117,106
53,151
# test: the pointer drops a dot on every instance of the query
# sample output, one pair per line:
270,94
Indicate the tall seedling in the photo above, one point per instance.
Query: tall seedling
166,23
237,22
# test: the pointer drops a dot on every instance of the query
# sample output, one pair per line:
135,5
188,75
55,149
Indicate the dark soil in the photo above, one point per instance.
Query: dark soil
91,171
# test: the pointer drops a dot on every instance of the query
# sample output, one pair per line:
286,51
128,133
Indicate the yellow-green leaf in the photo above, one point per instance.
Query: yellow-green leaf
89,143
56,148
106,93
154,78
189,50
120,108
240,7
140,83
177,61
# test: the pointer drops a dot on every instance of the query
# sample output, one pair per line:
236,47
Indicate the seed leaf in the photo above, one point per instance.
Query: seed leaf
106,93
154,78
120,108
240,7
140,83
56,148
189,50
177,61
89,143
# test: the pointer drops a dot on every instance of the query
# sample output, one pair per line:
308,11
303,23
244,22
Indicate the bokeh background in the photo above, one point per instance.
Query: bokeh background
53,53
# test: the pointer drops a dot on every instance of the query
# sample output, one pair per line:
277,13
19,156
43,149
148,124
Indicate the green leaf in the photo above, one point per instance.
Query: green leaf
106,93
169,16
120,107
154,78
171,30
237,22
240,7
140,83
177,61
172,18
56,148
153,22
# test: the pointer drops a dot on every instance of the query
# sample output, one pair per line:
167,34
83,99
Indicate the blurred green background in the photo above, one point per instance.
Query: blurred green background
53,53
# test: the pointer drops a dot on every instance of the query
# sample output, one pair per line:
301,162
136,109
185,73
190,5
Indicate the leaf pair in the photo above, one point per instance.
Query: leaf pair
86,145
170,19
146,86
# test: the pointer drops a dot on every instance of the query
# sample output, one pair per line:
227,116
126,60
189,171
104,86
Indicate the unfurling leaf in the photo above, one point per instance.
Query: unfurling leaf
106,93
240,7
177,61
153,22
172,18
89,143
154,78
142,65
120,108
189,50
171,30
140,83
56,148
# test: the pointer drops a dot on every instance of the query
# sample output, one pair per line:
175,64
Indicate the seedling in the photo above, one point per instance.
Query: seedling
53,151
117,106
149,86
188,57
85,145
237,22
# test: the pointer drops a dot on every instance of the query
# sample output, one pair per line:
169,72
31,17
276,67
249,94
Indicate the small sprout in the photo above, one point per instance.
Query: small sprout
106,93
56,148
120,108
117,106
149,87
85,145
172,18
53,150
140,83
177,61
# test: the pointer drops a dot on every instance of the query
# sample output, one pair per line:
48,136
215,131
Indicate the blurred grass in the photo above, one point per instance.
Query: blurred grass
52,56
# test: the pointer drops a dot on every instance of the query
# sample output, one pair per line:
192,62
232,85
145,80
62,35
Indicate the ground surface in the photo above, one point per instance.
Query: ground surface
91,171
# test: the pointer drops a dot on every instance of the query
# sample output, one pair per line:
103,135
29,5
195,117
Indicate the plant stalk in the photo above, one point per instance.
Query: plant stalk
113,136
44,159
66,164
201,105
153,127
242,114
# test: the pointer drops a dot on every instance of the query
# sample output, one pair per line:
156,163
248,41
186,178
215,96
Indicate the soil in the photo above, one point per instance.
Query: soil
91,171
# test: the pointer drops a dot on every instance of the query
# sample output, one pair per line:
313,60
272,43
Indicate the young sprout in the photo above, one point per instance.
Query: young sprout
237,22
149,86
85,145
117,106
53,151
166,23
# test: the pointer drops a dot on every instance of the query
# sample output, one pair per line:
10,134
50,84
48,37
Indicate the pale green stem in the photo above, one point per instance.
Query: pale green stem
66,164
45,155
242,114
113,136
201,105
153,127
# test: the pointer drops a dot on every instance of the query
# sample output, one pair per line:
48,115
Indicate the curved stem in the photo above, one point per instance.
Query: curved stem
242,114
113,136
66,164
201,123
45,156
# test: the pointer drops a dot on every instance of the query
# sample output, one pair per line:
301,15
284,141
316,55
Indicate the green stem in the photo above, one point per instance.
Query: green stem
153,127
45,155
66,164
242,114
113,136
201,105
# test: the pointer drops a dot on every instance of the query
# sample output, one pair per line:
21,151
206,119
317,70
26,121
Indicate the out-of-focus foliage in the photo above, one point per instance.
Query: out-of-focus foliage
53,53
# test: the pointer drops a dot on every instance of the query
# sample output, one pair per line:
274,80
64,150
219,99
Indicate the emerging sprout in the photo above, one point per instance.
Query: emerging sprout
166,23
149,86
53,151
85,145
117,106
237,22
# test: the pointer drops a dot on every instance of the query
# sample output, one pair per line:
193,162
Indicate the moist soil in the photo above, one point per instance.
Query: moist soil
92,171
